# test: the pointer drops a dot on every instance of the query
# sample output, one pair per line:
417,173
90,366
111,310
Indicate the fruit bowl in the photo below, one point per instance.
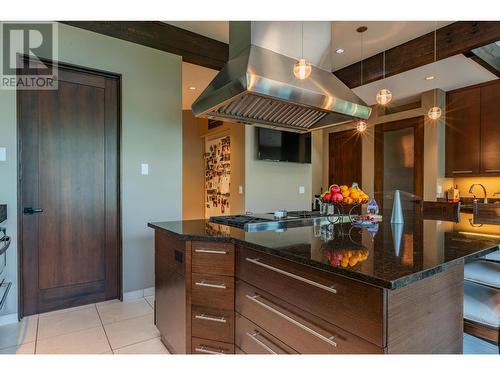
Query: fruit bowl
344,195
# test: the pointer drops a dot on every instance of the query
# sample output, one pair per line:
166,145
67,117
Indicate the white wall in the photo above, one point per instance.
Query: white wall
271,185
151,133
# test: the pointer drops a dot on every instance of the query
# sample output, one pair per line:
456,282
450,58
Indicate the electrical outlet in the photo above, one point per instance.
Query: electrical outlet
145,169
302,190
3,154
240,189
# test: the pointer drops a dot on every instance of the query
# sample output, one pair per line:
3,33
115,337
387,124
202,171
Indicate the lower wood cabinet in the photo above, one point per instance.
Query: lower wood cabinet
273,305
252,339
202,346
302,331
170,292
212,290
354,306
214,324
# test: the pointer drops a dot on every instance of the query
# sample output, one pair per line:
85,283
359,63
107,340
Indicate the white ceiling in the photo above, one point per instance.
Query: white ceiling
451,73
194,76
380,36
454,72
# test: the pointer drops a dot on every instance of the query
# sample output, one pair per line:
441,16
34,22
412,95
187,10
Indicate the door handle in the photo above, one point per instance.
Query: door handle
32,211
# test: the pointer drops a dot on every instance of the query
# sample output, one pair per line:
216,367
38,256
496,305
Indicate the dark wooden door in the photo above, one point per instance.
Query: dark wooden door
463,119
490,129
69,168
345,155
391,141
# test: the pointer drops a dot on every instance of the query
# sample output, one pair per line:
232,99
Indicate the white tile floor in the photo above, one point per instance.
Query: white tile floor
103,328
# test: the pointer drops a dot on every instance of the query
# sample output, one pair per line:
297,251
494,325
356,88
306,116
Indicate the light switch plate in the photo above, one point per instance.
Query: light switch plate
3,154
302,189
145,169
240,189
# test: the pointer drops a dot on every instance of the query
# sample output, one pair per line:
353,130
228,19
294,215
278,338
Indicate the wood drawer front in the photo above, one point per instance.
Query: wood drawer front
213,324
254,340
354,306
170,250
202,346
212,291
298,329
214,258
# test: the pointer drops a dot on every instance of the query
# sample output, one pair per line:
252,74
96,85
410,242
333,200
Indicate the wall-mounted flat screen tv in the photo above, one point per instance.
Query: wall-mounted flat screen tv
276,145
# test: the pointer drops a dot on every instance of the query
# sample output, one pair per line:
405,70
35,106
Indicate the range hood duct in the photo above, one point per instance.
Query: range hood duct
258,87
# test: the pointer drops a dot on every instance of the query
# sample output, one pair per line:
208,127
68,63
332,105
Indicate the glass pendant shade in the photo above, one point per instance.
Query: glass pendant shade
384,97
361,126
434,113
302,69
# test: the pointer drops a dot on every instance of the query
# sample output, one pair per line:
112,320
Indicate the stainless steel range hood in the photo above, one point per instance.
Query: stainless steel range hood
258,87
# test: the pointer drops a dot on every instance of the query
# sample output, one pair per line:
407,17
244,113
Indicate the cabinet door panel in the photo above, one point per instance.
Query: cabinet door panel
490,129
463,119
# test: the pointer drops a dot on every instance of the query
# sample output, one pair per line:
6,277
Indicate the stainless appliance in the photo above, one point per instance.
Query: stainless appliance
268,222
257,86
4,245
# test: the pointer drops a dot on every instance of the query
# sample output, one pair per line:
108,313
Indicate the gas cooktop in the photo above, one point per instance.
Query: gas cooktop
239,221
263,222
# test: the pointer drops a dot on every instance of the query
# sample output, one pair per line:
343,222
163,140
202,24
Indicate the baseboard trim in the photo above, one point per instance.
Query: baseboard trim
136,294
8,319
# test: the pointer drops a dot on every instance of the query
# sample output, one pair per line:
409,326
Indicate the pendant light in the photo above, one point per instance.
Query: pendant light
384,96
361,124
435,112
302,69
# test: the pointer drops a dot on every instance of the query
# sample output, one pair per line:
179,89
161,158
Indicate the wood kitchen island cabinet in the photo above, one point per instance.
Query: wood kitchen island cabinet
224,291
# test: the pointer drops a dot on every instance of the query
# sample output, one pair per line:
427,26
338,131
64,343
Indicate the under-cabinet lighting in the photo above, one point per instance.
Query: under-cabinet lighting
480,234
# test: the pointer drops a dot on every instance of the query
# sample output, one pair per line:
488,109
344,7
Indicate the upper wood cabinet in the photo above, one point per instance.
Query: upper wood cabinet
472,131
490,129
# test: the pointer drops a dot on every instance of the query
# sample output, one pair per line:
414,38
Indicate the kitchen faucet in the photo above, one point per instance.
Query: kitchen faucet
320,204
484,190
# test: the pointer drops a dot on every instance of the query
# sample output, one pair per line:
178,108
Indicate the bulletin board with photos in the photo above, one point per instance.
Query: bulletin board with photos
217,176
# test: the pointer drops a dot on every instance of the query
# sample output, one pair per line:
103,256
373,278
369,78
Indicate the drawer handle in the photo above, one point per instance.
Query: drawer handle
210,251
210,285
328,340
211,318
206,350
330,289
254,335
461,172
492,170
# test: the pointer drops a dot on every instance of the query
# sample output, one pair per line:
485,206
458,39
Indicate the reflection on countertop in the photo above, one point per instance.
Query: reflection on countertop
386,255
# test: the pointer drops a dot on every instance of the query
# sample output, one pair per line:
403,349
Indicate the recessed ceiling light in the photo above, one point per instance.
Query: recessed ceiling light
192,88
429,78
339,50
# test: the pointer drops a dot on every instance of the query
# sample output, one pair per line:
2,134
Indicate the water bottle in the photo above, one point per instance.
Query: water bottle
372,208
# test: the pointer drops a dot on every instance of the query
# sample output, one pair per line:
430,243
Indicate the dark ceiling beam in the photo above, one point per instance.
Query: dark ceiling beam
453,39
194,48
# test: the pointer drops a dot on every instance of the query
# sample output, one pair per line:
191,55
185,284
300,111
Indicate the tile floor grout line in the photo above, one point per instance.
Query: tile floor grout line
104,329
139,342
133,317
67,333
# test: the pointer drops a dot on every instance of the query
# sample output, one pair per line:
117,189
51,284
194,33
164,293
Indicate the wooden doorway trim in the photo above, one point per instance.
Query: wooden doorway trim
418,124
69,68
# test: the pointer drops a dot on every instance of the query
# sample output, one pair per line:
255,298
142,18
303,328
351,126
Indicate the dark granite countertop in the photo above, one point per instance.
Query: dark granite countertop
389,256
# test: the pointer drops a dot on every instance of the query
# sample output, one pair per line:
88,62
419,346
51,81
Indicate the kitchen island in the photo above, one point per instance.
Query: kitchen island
388,288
